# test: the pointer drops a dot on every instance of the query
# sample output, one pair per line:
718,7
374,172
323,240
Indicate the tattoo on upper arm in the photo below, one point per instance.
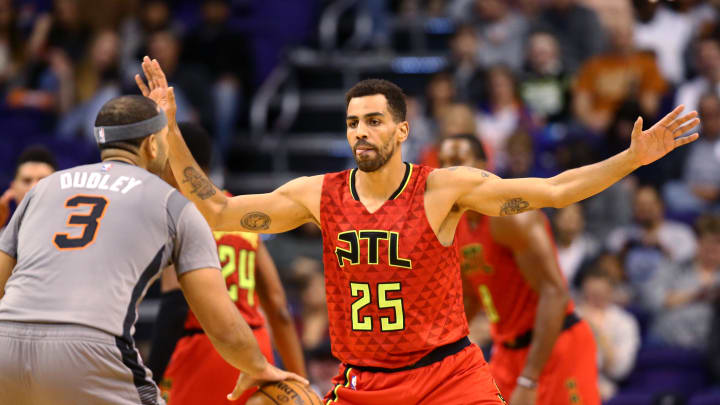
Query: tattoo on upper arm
255,221
514,206
201,185
483,173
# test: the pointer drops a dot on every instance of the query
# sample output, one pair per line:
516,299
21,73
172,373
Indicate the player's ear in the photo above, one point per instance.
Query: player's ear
403,131
150,146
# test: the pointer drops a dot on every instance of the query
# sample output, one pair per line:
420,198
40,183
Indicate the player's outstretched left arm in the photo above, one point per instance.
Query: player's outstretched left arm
274,303
7,264
291,205
478,190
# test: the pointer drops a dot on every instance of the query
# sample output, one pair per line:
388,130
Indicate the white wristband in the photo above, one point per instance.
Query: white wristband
526,382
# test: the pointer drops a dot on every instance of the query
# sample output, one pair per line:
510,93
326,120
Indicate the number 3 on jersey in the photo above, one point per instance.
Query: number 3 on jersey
243,262
365,323
89,221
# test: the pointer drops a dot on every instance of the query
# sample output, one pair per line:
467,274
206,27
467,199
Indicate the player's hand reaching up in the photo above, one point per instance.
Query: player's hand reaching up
649,146
157,88
269,374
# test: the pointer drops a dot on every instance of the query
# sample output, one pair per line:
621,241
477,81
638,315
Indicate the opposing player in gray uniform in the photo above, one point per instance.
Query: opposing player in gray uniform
79,254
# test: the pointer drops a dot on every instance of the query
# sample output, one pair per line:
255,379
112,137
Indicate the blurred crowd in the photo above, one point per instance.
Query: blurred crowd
546,85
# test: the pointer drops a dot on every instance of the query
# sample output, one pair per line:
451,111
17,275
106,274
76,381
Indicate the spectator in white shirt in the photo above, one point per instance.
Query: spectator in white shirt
700,188
575,247
683,295
707,59
616,331
650,242
666,33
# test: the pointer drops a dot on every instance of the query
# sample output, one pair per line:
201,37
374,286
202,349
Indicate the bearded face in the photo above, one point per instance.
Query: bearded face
370,158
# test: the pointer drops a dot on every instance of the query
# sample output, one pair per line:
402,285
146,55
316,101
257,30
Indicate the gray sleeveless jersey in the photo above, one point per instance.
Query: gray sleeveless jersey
91,239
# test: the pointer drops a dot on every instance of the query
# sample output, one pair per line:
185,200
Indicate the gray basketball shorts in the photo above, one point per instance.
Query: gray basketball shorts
61,364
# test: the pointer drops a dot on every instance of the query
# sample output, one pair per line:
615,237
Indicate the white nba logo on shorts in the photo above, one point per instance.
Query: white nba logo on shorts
353,382
101,135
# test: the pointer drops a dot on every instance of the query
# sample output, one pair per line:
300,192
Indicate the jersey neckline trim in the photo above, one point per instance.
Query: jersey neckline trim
394,195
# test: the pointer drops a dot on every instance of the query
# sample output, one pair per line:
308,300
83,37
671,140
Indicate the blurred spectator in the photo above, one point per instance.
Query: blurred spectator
605,82
97,80
12,47
700,188
666,33
707,59
440,93
612,13
576,27
64,29
422,135
153,16
545,87
191,82
501,115
218,46
501,32
322,367
521,160
312,298
465,65
575,247
34,164
651,241
684,293
457,118
616,331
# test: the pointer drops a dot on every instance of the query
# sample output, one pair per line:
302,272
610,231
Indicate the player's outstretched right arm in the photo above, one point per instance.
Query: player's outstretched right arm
286,208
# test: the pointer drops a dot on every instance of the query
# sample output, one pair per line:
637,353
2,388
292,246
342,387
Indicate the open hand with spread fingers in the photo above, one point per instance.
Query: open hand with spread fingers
157,88
666,135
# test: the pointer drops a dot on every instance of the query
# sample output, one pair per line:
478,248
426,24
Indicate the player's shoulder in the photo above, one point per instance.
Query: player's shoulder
303,184
458,177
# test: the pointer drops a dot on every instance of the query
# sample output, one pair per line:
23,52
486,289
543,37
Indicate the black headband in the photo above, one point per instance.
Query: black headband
130,131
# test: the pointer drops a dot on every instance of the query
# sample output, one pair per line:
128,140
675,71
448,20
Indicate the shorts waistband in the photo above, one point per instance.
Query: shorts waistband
436,355
522,341
54,331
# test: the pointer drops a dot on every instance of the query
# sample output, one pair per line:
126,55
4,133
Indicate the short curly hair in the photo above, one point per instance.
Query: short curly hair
393,94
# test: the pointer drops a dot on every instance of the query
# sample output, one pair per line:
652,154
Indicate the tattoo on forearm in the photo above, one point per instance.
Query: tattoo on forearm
201,185
255,221
514,206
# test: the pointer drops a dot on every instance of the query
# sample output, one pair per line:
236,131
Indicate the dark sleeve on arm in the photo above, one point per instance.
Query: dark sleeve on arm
169,328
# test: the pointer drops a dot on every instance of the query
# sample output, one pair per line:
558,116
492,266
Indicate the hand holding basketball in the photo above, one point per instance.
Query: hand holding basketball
269,374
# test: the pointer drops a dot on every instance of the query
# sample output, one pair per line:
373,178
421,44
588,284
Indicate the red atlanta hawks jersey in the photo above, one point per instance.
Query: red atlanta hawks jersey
237,251
509,302
394,292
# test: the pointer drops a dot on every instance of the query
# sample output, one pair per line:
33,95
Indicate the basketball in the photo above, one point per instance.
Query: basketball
285,392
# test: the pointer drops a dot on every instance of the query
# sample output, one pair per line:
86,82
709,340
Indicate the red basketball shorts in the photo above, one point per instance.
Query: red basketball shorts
569,377
460,379
198,375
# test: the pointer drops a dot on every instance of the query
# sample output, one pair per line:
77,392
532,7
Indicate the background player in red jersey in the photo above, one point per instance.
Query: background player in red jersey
196,373
543,353
401,332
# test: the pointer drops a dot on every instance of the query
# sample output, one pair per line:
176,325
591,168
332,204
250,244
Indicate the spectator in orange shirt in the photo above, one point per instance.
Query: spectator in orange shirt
606,81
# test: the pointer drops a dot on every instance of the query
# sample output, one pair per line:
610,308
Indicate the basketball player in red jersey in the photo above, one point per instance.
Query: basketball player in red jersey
543,354
393,283
196,373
